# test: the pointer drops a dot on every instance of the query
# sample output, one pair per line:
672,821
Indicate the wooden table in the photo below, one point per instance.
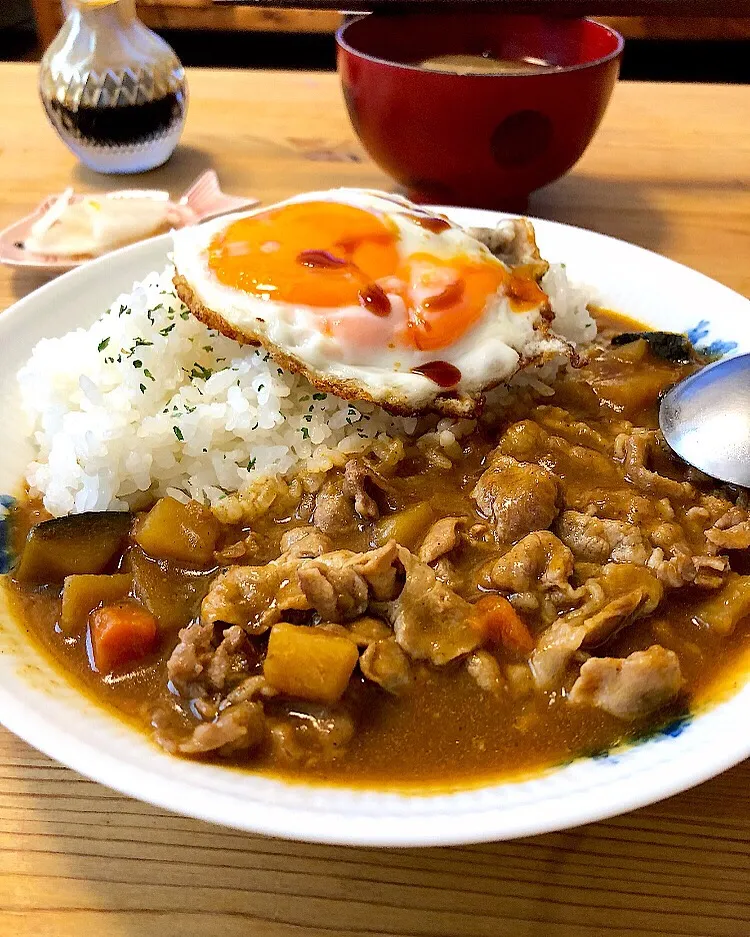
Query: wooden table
668,170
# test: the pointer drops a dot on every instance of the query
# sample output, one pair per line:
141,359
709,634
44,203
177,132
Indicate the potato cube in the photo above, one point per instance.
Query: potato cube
405,527
175,531
632,393
722,611
309,663
82,594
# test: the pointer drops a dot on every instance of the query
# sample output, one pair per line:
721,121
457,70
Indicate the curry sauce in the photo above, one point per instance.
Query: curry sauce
451,714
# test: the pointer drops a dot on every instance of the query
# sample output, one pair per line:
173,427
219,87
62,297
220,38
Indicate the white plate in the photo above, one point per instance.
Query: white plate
38,704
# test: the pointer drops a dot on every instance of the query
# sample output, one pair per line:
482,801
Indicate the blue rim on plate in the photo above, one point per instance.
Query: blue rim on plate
6,549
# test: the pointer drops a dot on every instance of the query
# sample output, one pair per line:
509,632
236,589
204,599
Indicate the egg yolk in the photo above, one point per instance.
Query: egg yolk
311,253
448,297
328,255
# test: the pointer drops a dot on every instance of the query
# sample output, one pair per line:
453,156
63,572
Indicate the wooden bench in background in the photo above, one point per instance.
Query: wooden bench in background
205,14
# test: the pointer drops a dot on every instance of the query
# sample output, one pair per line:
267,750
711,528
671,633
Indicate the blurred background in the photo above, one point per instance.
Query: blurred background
658,49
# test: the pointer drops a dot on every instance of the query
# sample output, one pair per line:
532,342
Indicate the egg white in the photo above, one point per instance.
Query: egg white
486,355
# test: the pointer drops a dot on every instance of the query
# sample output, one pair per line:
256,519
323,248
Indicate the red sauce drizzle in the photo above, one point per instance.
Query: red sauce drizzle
451,295
443,373
350,244
372,297
323,260
375,300
431,223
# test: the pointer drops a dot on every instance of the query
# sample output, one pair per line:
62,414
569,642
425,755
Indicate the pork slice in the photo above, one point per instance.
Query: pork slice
230,662
366,487
600,540
710,571
431,622
386,664
528,442
379,568
450,573
622,504
616,598
253,597
731,531
635,451
485,670
441,538
339,585
251,688
205,662
538,561
237,728
302,542
518,497
734,538
674,571
561,423
304,734
333,513
630,687
190,657
333,587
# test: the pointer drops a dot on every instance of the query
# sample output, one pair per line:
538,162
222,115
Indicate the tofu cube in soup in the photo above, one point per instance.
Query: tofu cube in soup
308,663
175,531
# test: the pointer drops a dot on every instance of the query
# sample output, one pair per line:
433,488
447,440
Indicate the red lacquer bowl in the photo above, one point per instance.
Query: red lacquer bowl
479,140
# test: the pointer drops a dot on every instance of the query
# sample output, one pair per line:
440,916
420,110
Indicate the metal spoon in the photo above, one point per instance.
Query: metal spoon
705,419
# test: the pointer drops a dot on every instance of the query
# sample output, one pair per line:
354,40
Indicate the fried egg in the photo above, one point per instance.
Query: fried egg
370,296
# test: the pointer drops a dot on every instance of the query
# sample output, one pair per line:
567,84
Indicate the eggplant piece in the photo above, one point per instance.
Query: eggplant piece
170,592
669,346
81,544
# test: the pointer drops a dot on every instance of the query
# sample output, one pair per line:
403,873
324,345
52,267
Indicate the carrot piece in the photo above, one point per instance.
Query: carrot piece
498,621
121,634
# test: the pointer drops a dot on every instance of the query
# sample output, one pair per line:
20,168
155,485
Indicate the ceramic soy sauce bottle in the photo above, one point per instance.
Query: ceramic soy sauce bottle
113,90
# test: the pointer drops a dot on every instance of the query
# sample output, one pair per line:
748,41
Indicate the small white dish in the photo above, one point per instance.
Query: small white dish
204,199
38,703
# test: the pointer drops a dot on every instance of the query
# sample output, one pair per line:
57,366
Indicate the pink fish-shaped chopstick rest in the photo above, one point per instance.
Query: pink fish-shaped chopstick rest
204,199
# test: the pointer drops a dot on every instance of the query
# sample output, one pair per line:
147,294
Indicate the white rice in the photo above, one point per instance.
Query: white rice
148,401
